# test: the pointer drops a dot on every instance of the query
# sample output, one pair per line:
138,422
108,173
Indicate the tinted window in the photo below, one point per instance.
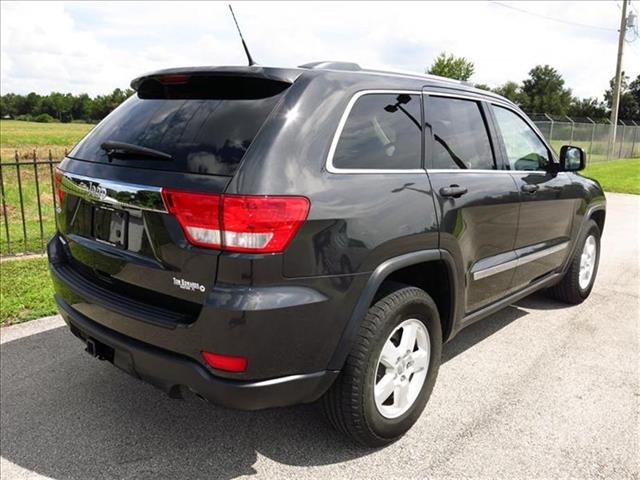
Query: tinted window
460,138
202,135
382,132
525,150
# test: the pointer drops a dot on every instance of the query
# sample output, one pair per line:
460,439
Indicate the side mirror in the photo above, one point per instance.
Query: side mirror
572,158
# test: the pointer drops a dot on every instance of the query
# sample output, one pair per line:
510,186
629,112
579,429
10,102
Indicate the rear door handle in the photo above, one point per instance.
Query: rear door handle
529,188
453,191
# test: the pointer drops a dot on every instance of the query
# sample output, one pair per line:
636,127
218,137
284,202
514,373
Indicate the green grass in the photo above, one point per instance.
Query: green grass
42,137
26,137
622,176
26,291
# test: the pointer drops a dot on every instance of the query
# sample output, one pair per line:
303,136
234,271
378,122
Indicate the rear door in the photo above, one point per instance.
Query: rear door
112,213
548,197
478,203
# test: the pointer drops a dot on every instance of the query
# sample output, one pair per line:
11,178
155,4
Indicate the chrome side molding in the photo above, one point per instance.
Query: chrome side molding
117,194
503,267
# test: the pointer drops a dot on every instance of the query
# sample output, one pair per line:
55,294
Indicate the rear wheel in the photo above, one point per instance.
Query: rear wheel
577,283
390,371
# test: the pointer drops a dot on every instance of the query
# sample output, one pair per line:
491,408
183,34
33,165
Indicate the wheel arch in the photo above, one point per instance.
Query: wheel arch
401,269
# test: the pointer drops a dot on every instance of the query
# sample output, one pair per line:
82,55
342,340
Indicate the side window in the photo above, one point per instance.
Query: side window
525,151
460,137
382,132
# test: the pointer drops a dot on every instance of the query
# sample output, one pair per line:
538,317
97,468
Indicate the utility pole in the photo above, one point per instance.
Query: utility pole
615,99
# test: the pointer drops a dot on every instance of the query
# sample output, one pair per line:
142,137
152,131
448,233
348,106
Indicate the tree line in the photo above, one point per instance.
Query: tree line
61,107
544,91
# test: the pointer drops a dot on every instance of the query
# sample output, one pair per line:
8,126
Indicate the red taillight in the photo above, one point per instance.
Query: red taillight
238,223
230,363
261,224
57,180
199,215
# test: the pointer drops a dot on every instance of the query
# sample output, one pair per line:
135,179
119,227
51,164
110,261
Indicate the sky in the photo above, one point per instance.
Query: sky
94,47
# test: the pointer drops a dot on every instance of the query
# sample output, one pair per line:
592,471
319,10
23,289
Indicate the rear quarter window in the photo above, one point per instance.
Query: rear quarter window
382,132
208,136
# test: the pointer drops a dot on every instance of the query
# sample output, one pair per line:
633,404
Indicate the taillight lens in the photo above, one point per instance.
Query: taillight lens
238,223
199,215
263,224
57,180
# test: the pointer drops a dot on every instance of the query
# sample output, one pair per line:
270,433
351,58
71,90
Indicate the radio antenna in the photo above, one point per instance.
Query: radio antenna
246,50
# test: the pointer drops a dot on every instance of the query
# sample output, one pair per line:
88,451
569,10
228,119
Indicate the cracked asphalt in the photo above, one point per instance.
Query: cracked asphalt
539,390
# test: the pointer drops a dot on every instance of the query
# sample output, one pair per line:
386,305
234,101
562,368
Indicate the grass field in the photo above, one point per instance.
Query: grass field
25,290
42,137
25,137
621,176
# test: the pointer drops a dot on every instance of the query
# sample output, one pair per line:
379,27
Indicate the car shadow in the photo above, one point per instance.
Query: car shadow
66,415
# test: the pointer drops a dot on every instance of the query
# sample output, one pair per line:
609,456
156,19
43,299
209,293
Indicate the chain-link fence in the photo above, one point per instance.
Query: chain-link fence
593,135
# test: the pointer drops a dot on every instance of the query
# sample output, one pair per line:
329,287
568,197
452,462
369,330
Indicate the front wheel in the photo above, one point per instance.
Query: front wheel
577,283
390,371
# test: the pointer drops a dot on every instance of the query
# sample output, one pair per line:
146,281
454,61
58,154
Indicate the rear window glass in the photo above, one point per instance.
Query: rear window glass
207,136
382,132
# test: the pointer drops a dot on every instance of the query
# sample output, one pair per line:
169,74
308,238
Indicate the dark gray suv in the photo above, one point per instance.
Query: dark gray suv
264,237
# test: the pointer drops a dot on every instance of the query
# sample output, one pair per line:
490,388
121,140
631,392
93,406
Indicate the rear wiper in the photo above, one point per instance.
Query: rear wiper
122,148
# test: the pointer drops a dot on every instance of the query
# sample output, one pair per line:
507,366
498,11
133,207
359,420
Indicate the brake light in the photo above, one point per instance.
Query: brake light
174,79
238,223
57,180
199,215
265,224
230,363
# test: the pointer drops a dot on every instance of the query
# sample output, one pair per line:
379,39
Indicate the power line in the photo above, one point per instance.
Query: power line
559,20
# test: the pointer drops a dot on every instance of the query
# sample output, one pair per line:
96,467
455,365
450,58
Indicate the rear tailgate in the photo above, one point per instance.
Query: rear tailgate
118,233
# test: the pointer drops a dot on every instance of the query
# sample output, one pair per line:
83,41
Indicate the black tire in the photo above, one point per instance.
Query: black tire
568,290
349,404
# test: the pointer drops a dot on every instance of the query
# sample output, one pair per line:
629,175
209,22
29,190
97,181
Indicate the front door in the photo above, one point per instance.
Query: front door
478,202
548,198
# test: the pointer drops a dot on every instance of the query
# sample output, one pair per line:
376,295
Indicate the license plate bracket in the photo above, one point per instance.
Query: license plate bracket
110,226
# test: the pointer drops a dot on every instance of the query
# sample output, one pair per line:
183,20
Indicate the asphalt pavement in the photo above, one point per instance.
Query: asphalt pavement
538,390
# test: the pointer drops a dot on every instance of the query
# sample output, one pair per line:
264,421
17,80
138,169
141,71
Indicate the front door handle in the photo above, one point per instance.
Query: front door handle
530,188
453,191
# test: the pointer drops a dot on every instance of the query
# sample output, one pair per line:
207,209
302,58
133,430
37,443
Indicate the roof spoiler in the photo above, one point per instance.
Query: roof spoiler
174,75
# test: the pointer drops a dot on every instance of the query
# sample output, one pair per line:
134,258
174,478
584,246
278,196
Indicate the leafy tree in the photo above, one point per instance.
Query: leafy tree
450,66
512,91
63,107
629,97
587,107
545,91
483,86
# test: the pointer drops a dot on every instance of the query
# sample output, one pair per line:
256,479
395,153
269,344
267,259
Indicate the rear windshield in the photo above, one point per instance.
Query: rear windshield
208,136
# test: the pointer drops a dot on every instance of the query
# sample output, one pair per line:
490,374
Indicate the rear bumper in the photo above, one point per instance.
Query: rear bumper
174,373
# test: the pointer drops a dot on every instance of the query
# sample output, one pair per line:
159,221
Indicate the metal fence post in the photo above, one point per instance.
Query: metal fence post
593,133
4,211
621,139
573,126
53,188
635,134
24,221
550,128
609,146
35,174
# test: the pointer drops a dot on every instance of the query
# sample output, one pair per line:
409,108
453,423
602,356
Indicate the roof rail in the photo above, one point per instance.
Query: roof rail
328,65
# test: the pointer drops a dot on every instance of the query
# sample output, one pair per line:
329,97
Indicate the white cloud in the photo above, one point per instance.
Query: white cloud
97,46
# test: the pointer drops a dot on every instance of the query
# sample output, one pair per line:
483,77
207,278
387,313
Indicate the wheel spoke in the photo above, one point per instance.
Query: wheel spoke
420,360
401,395
408,340
389,355
384,388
